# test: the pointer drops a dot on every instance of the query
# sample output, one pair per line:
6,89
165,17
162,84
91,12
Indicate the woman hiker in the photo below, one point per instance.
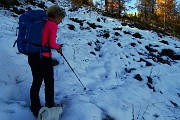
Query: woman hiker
42,68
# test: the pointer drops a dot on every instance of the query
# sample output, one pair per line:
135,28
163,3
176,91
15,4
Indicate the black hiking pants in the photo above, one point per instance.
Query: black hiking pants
42,69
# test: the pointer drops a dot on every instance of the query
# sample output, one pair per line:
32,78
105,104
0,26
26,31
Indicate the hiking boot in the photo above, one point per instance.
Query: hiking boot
35,110
56,105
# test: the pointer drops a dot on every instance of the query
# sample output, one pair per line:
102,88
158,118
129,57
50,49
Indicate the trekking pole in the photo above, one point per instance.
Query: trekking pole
73,71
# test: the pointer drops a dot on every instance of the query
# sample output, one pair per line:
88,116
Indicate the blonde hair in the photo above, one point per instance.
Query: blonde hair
55,11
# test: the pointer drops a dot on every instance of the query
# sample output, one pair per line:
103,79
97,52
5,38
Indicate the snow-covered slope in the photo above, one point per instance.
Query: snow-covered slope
129,73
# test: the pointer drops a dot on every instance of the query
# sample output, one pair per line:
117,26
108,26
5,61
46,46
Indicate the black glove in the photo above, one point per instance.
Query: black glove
60,50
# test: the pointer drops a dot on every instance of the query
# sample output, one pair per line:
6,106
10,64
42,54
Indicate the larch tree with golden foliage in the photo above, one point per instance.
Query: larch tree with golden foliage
166,11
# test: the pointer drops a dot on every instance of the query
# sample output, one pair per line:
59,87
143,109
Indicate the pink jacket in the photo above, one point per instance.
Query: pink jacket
49,36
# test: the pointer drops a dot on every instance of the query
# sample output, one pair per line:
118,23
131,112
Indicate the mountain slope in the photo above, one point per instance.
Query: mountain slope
129,73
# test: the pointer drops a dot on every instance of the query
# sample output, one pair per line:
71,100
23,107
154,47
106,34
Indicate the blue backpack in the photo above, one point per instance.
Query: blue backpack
31,24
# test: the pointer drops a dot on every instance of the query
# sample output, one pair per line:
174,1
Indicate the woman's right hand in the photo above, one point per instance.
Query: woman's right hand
60,50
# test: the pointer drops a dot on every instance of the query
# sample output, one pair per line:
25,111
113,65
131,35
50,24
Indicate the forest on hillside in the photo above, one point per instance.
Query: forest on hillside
158,15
